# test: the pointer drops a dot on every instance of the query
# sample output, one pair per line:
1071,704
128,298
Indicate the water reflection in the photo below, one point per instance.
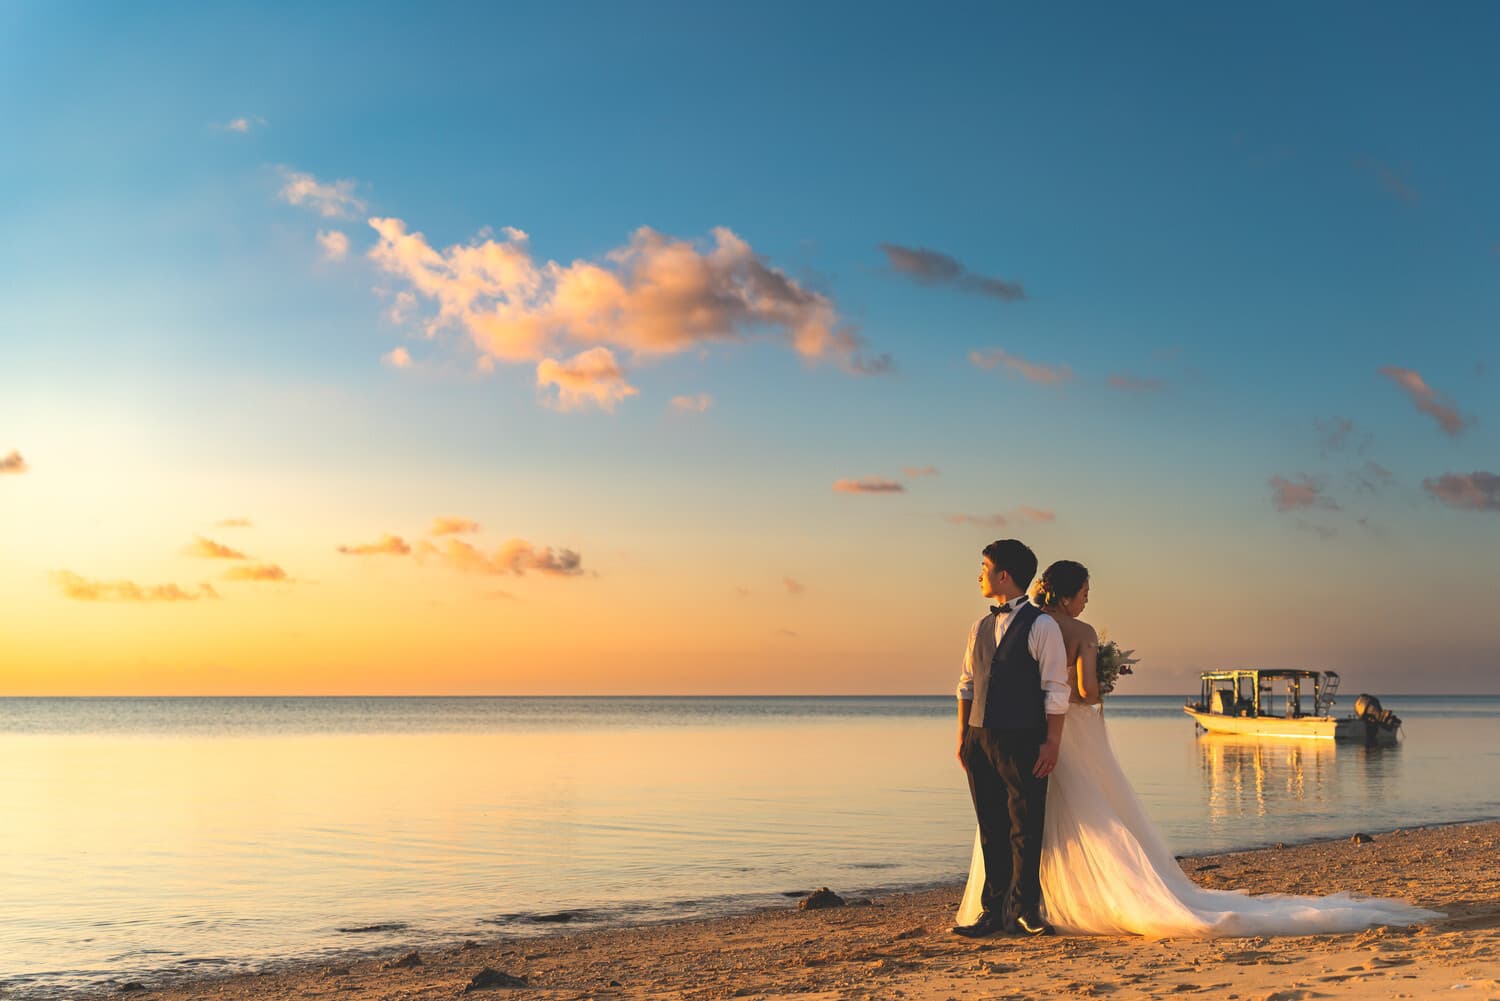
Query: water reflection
1266,777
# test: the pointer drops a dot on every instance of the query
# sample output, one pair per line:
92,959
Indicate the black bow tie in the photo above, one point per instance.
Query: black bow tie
1004,609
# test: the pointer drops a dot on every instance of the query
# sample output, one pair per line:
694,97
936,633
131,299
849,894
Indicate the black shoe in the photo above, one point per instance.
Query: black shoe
1031,923
988,924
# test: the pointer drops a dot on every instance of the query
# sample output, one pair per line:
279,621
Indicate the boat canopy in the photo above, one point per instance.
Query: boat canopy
1255,692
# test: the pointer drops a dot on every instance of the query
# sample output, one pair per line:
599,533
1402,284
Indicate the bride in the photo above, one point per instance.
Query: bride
1106,870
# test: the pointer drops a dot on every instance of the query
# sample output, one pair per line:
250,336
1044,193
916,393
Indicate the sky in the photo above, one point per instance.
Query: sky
700,349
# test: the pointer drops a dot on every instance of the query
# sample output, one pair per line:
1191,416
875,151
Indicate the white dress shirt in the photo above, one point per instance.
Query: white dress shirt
1045,643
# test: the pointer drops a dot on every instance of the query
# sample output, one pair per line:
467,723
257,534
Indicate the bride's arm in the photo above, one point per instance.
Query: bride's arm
1087,679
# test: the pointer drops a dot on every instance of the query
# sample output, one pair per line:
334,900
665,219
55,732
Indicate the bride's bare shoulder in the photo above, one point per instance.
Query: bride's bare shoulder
1085,632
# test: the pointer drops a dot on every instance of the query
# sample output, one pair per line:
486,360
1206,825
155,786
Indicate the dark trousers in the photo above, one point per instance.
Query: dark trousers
1010,803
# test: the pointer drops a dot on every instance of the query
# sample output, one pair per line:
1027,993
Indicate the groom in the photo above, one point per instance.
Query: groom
1012,697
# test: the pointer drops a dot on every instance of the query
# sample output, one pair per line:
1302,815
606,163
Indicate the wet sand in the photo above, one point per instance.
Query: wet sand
900,946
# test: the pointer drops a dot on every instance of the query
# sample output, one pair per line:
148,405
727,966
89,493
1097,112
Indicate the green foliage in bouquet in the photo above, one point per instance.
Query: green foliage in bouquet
1113,662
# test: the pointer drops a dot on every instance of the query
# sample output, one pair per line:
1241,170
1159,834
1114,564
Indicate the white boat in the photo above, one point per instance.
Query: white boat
1246,702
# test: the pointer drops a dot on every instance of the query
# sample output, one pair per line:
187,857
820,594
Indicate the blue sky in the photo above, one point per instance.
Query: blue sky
1243,215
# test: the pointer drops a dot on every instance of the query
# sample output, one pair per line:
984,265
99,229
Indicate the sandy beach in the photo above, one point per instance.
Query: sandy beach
900,946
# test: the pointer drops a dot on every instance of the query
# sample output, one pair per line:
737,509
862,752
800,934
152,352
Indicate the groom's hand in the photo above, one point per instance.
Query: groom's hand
1046,760
961,763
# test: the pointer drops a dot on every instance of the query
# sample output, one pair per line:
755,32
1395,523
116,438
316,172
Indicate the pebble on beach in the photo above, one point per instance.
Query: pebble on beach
489,978
820,898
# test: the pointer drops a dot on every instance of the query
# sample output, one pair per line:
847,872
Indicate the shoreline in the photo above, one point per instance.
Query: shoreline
899,942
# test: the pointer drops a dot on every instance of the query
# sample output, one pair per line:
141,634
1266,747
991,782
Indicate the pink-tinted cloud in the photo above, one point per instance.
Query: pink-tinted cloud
256,572
1392,180
13,463
1135,384
515,557
932,267
793,586
1335,434
83,589
1304,492
1372,477
916,472
1045,374
243,124
330,200
1476,491
1019,515
868,485
397,358
692,404
209,549
1428,400
453,525
590,377
335,244
656,295
389,545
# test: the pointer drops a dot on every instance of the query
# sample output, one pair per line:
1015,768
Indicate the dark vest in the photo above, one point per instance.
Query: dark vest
1014,699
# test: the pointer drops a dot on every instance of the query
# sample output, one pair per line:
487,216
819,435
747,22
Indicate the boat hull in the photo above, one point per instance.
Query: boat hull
1301,728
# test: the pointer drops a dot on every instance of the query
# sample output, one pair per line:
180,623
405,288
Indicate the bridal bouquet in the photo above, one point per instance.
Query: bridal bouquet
1112,663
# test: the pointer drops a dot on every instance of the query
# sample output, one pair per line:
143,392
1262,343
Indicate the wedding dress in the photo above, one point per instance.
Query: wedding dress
1106,870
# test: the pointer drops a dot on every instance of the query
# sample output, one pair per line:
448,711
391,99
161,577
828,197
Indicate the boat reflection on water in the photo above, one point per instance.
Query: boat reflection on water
1291,780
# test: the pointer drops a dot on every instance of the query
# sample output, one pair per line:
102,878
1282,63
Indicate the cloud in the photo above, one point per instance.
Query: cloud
242,125
740,591
868,485
256,572
914,472
655,295
82,589
392,545
331,201
931,267
335,244
1135,384
1334,435
793,587
1020,515
13,463
1389,178
516,556
1476,491
1372,476
1044,374
397,358
209,549
403,308
592,376
1428,400
692,404
234,523
1304,492
453,525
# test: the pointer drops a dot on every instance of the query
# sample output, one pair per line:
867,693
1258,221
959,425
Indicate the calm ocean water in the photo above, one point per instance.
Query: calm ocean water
146,839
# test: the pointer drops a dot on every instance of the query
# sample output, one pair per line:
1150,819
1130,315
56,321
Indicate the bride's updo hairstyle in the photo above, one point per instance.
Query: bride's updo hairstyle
1061,580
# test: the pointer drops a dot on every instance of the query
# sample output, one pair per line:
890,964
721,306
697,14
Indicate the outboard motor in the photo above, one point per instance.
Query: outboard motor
1367,708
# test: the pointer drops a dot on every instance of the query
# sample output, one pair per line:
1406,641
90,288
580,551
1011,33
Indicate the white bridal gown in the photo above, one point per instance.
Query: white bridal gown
1106,870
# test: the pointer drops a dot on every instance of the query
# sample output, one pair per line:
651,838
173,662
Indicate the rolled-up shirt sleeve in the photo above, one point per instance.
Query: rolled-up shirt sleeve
1046,645
966,675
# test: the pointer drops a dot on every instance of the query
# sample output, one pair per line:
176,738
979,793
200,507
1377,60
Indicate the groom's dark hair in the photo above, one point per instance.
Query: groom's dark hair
1015,558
